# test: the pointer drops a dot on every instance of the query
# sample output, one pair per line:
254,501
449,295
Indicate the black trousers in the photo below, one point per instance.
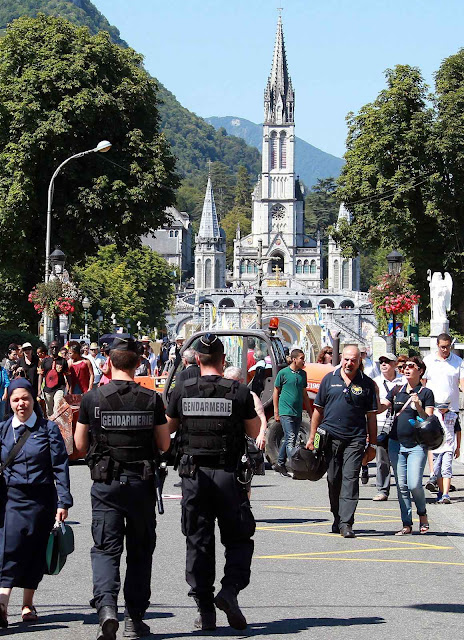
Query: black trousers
216,494
344,459
118,511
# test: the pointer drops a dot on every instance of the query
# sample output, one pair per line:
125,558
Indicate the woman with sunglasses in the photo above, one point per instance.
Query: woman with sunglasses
325,356
407,457
402,359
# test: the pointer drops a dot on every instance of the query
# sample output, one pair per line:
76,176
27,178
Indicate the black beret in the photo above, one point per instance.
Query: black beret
208,344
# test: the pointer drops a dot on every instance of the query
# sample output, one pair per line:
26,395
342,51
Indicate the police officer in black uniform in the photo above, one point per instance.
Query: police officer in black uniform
126,426
214,414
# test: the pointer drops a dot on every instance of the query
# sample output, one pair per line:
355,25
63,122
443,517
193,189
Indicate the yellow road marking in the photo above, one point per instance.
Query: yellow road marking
325,509
309,557
359,537
324,524
289,556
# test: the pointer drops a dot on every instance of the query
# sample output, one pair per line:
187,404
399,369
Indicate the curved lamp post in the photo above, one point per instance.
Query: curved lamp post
102,147
86,307
395,261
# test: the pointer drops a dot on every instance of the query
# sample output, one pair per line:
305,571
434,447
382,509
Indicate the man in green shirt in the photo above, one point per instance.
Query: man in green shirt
290,398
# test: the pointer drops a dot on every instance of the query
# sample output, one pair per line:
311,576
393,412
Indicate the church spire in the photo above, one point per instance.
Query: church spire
279,97
209,225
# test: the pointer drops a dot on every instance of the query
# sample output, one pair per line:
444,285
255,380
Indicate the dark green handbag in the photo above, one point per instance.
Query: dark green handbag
60,546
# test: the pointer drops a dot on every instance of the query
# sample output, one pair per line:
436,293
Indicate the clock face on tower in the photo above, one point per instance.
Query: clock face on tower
278,217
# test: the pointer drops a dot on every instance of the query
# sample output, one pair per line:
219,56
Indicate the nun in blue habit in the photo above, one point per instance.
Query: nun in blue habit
34,492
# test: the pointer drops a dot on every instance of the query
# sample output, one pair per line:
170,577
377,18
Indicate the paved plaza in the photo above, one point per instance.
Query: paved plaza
306,582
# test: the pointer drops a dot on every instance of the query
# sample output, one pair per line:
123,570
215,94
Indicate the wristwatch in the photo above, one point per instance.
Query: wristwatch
374,446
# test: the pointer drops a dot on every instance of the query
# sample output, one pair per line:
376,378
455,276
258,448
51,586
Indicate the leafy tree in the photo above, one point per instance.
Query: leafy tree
321,207
62,89
242,195
137,285
450,189
390,173
238,215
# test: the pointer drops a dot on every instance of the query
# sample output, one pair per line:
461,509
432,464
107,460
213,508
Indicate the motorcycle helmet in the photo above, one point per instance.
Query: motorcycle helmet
305,464
429,433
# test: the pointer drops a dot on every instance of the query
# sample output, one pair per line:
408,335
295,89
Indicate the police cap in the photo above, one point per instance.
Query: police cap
125,344
209,344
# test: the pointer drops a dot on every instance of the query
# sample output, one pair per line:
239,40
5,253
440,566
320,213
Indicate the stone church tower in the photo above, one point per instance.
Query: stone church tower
277,200
210,247
344,273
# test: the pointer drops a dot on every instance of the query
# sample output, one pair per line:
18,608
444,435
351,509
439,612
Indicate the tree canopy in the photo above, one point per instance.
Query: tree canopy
137,286
393,177
61,91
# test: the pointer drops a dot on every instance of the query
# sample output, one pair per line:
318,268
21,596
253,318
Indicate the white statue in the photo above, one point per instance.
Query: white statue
440,297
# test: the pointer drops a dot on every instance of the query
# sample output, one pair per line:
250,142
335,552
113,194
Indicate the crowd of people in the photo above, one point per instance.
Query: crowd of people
362,411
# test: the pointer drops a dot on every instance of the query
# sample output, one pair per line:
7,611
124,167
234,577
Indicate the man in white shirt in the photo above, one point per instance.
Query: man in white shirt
387,380
444,375
369,367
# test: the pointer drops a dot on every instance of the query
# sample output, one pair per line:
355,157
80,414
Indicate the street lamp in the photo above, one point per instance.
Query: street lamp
102,147
395,261
57,260
86,307
99,321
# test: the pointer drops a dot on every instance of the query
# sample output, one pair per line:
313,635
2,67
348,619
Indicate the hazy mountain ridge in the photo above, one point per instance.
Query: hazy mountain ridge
311,163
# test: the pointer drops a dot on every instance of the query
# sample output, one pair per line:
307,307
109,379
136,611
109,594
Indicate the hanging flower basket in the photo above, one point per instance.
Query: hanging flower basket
393,295
55,297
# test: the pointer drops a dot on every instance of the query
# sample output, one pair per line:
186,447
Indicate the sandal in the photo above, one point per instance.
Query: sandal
30,615
424,527
3,616
405,531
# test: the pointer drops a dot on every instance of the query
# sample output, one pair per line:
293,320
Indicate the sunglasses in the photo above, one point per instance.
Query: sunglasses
410,365
385,361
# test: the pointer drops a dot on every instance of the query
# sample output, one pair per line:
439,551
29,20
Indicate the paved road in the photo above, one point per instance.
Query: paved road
306,582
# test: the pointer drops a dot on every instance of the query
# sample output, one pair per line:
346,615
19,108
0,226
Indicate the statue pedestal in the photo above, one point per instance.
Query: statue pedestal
438,327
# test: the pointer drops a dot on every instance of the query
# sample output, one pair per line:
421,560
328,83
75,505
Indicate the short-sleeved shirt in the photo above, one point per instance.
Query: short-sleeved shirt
47,365
243,408
345,406
89,410
291,384
385,386
402,429
443,376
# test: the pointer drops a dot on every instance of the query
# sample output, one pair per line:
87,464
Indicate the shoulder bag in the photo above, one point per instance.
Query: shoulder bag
15,450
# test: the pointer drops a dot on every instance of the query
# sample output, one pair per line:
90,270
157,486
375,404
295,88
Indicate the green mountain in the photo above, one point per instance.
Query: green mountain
80,12
193,141
311,163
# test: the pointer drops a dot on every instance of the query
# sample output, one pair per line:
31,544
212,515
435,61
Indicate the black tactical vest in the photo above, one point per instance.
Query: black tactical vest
126,425
209,427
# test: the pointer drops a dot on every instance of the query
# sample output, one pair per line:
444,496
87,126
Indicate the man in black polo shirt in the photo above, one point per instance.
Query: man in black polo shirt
345,402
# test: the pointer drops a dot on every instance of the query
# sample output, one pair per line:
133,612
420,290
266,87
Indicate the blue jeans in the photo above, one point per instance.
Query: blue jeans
291,426
408,465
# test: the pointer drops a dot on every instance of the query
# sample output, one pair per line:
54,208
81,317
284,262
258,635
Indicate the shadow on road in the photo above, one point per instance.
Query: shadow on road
287,627
439,607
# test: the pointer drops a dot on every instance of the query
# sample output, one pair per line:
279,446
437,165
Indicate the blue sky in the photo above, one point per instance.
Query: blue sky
215,56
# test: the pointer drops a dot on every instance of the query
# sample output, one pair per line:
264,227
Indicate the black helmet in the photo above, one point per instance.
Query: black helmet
429,433
306,464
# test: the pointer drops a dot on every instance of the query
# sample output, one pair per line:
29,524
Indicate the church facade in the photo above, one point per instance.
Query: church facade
292,262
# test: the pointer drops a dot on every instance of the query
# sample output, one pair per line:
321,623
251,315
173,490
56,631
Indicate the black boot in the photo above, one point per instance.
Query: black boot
134,626
108,621
206,618
226,600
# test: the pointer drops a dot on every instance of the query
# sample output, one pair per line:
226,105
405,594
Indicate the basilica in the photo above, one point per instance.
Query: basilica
290,261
